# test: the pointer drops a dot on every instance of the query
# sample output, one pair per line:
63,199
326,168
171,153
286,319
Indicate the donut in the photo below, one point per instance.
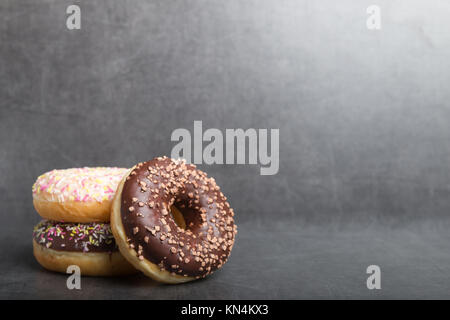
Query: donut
90,246
77,194
171,221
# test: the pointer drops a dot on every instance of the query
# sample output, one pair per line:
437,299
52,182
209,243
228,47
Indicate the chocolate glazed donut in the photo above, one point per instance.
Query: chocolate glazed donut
157,239
90,246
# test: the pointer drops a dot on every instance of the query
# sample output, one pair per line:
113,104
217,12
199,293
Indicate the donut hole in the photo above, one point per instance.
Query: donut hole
178,217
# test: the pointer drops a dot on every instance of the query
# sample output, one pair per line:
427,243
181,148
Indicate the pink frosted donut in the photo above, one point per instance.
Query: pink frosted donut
78,194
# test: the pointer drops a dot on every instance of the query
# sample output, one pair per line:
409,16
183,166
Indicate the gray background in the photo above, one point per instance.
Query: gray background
364,137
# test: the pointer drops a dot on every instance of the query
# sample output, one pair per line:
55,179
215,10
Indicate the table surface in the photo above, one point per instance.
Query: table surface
283,261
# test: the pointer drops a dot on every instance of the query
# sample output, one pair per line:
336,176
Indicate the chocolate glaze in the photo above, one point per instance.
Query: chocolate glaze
149,192
75,237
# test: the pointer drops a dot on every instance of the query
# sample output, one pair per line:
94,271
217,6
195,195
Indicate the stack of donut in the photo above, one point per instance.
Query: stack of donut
168,220
75,205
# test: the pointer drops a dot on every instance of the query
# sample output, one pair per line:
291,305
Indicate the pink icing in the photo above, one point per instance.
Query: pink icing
79,184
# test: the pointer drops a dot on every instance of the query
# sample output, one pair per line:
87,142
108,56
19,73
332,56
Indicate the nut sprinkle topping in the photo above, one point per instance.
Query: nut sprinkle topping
152,189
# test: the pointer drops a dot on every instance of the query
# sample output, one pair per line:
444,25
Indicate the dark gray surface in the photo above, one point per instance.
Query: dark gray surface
364,136
285,261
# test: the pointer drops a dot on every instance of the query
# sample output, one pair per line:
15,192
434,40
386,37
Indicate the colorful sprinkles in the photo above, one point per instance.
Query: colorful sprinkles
83,237
79,184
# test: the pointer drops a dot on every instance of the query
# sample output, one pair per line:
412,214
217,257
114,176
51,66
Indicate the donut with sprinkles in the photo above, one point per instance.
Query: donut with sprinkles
90,246
171,221
77,194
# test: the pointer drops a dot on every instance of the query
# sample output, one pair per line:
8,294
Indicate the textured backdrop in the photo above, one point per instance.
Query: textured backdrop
363,115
